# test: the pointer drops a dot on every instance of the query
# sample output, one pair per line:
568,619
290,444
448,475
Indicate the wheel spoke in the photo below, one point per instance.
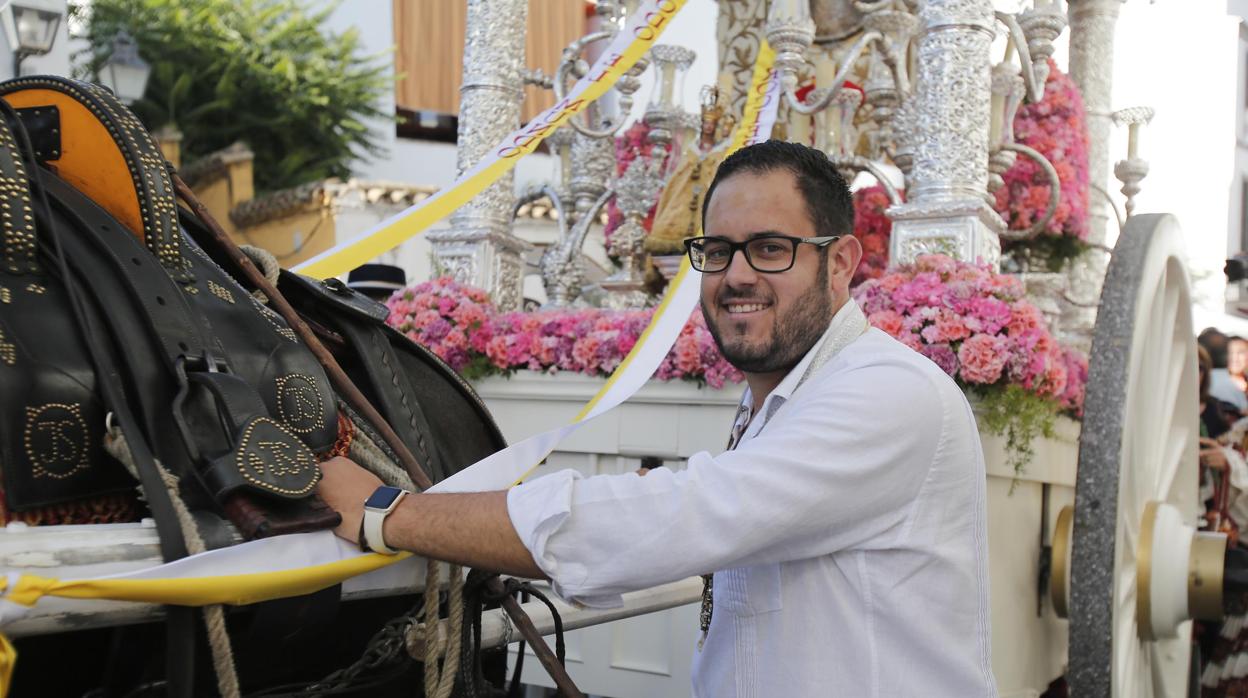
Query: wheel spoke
1169,399
1159,330
1176,448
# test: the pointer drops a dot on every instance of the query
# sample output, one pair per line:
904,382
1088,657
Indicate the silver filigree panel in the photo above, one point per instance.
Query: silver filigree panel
951,103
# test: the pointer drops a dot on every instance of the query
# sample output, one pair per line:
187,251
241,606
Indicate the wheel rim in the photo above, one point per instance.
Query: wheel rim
1139,444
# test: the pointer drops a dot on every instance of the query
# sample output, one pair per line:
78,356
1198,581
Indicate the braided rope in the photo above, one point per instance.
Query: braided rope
365,452
433,639
439,645
268,265
455,624
214,616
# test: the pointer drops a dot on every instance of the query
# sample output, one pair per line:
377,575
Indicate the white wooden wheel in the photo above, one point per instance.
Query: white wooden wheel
1136,488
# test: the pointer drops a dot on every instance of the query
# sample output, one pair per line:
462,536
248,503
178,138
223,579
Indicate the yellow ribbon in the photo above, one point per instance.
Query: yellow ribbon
756,98
8,661
744,134
232,589
656,16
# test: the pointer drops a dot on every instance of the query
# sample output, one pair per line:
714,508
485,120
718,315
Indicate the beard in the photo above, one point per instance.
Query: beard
793,334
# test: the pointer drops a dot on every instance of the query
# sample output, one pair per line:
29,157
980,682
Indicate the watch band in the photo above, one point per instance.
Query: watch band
378,506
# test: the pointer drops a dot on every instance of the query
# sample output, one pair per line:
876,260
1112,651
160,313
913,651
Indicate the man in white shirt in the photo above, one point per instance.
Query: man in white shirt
845,525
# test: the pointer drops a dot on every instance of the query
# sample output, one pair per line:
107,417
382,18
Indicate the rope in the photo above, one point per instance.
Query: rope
267,264
214,616
440,683
511,586
365,452
455,622
433,639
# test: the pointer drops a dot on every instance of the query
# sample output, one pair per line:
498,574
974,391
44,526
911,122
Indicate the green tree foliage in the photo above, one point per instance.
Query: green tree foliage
264,72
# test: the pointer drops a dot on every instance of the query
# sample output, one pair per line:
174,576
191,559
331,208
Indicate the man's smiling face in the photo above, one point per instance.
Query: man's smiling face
765,323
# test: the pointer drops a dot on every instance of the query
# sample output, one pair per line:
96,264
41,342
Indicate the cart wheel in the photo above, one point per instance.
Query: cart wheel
1132,539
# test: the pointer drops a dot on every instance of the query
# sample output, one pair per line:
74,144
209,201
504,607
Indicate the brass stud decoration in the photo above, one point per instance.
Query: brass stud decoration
56,440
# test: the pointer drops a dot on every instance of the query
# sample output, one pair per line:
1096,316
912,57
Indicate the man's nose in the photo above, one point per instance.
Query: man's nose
739,271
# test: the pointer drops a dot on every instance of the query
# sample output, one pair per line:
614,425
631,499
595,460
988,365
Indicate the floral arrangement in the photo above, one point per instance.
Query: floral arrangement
978,327
972,323
873,229
1057,127
458,323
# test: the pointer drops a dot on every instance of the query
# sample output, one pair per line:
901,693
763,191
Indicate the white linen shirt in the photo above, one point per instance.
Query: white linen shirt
847,537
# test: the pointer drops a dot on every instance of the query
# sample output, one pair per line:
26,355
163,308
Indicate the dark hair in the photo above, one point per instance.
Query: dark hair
1215,343
1205,362
829,204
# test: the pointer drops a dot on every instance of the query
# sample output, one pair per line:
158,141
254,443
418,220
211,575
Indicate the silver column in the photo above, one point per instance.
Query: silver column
1092,25
479,247
947,208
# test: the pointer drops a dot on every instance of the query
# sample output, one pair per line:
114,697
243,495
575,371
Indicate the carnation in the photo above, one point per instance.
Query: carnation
982,358
976,326
873,228
458,323
1056,126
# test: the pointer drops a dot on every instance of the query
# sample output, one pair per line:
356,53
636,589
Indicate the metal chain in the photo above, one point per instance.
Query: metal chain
382,650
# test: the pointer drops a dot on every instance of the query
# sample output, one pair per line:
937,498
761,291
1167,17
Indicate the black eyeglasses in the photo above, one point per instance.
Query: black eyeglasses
769,254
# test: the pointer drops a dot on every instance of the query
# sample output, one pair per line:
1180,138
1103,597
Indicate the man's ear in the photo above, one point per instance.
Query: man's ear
843,259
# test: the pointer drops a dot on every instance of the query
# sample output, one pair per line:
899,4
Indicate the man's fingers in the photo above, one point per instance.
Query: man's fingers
345,486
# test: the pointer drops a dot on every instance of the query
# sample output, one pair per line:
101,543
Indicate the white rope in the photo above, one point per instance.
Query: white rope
455,625
268,265
214,616
368,455
433,639
439,645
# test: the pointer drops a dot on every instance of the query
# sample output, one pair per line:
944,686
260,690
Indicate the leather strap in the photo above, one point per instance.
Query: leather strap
180,638
359,320
394,392
172,322
231,440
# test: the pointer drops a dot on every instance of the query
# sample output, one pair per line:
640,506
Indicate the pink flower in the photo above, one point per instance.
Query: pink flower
887,320
987,315
943,265
1024,317
949,327
913,341
468,314
943,356
982,357
1056,127
425,318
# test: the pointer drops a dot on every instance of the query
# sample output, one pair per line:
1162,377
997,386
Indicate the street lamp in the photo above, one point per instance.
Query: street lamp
125,72
30,26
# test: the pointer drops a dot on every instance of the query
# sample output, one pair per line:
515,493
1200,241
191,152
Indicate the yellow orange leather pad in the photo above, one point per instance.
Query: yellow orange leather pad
90,158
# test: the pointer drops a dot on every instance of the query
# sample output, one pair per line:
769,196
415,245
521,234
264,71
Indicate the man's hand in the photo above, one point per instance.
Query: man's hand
345,486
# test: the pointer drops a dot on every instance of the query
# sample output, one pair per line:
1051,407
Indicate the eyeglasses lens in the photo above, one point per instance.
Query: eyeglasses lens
764,254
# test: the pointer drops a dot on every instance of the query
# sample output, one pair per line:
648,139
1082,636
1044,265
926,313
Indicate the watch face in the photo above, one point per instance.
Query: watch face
382,497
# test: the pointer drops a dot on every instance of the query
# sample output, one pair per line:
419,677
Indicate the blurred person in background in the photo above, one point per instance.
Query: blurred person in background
1215,416
1229,384
1214,342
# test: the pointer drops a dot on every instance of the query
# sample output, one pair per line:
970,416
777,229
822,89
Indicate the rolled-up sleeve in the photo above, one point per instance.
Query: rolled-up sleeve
839,467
